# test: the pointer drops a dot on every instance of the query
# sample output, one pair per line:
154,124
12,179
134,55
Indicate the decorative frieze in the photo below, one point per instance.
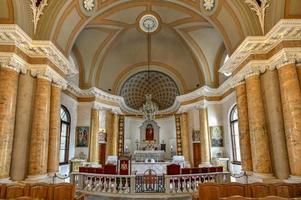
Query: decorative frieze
284,30
11,34
283,57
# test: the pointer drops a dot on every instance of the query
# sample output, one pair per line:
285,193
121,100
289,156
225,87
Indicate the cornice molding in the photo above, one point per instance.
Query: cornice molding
283,57
11,34
13,62
284,30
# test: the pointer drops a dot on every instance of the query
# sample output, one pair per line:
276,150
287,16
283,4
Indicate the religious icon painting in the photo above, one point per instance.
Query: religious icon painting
82,136
216,133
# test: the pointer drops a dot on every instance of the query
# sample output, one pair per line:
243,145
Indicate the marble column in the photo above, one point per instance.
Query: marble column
261,158
299,72
185,137
109,131
115,135
93,143
37,168
275,125
291,104
204,136
8,96
243,122
20,154
54,130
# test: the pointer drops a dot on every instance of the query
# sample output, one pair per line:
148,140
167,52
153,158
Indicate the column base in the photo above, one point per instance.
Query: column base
6,180
293,179
262,178
37,178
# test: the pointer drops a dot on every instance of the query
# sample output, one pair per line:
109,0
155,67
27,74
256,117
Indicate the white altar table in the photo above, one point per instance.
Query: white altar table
141,168
141,156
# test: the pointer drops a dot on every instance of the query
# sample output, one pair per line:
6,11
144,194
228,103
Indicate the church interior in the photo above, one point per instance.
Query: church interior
150,99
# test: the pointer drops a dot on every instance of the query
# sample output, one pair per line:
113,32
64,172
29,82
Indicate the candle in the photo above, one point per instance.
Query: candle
171,147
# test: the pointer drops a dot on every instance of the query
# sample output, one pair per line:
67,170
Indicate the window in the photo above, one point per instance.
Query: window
235,135
65,135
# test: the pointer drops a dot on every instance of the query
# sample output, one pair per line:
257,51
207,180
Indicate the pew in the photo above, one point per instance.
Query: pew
213,191
63,191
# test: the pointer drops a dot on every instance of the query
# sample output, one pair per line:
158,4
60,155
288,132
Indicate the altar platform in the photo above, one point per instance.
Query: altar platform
142,167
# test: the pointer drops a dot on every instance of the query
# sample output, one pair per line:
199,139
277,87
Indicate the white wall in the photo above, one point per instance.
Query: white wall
167,132
83,119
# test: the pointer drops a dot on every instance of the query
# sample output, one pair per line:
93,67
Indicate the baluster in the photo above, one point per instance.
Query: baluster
115,185
179,185
190,188
174,189
110,185
120,186
184,185
100,184
126,190
104,184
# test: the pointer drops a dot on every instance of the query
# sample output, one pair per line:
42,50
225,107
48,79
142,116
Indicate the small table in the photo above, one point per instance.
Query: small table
224,162
75,164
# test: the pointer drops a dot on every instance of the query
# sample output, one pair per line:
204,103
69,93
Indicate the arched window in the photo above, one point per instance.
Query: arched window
65,135
235,135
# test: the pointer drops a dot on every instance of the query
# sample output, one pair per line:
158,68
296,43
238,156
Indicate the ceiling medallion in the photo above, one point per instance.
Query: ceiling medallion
148,23
89,4
208,4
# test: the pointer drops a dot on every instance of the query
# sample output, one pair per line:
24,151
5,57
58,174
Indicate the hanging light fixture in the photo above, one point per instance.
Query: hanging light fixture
149,108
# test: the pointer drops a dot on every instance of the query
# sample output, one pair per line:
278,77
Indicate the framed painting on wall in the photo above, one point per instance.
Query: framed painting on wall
217,139
82,136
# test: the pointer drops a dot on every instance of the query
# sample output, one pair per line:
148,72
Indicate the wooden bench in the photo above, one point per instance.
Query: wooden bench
63,191
214,191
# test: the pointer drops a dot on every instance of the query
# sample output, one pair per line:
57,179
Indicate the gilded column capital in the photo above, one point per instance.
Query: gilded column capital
46,72
13,62
285,59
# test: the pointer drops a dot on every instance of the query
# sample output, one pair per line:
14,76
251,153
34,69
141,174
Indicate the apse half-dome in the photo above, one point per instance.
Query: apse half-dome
162,87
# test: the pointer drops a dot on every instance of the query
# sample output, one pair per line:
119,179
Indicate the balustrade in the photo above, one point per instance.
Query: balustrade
131,184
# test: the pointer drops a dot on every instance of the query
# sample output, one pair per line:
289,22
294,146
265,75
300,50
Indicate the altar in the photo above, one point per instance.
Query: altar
141,167
142,155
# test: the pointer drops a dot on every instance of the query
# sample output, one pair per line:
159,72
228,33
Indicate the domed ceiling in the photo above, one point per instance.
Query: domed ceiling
163,89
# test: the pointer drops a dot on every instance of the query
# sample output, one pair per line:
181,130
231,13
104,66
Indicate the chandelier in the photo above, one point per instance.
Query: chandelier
149,108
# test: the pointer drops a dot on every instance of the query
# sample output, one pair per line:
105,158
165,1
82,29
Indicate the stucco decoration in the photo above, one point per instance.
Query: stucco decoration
89,4
208,4
37,7
163,89
259,7
148,23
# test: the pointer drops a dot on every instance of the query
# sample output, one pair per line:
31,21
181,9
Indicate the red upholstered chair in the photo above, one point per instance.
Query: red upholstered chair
110,169
195,170
185,170
204,169
173,169
83,169
219,169
212,169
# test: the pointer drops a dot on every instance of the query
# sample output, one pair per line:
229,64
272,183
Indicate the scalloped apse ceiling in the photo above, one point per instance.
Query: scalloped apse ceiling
163,89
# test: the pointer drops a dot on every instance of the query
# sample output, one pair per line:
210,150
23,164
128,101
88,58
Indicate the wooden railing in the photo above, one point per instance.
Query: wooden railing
135,184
